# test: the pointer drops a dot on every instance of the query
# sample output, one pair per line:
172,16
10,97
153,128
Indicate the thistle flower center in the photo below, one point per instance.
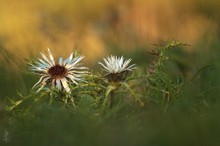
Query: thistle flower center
116,77
57,71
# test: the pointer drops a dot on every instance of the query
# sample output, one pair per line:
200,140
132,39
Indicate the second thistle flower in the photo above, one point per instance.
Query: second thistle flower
117,68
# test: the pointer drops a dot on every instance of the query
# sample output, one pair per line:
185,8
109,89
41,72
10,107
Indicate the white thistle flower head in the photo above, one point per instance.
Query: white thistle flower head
117,68
58,74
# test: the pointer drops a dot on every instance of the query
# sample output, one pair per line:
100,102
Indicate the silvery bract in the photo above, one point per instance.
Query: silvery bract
58,74
117,67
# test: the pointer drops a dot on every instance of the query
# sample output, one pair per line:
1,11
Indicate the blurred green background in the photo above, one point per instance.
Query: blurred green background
103,27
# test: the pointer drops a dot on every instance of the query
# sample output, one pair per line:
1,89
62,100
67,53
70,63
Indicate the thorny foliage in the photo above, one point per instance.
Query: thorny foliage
151,86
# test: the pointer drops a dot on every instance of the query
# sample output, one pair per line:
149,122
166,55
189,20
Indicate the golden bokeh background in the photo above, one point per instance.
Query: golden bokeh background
97,26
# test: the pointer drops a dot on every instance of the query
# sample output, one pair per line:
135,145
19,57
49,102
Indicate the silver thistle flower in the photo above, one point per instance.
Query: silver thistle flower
58,74
117,68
